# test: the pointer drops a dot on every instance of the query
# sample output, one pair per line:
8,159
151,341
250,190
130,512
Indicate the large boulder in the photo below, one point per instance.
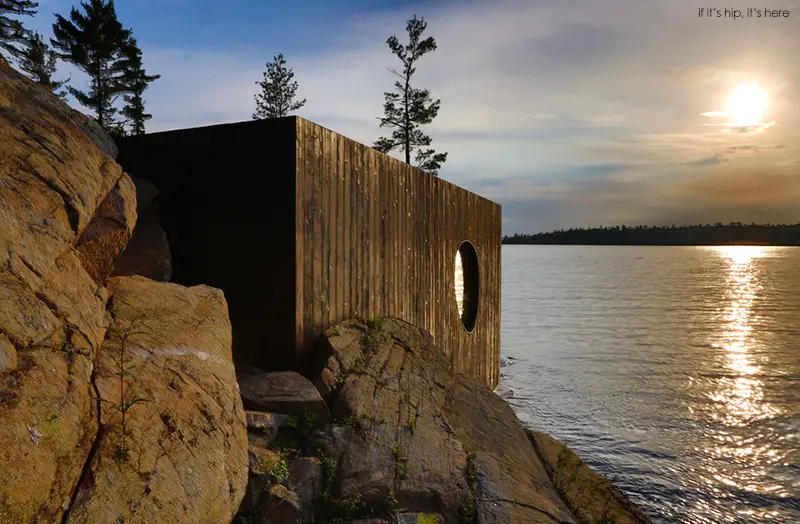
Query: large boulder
181,453
53,180
109,232
427,442
429,439
66,212
53,176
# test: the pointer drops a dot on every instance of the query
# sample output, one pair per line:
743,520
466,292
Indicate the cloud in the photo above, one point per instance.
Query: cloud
778,187
754,148
735,127
572,113
708,161
747,129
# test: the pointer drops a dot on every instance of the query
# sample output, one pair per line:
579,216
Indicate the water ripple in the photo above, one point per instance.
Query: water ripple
674,368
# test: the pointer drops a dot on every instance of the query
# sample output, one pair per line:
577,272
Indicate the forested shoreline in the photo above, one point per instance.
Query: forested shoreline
684,235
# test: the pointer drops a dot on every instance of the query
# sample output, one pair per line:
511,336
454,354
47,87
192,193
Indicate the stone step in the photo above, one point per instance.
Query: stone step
284,392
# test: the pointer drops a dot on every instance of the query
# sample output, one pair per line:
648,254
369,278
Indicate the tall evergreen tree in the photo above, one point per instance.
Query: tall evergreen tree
95,42
14,38
407,108
39,62
278,89
136,80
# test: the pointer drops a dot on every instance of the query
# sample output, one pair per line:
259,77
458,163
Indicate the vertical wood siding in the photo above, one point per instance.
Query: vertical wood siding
376,237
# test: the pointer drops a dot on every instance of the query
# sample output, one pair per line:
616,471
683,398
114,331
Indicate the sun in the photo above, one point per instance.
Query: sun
747,104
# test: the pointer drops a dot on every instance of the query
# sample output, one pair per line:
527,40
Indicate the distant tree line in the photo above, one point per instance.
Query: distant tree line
93,40
686,235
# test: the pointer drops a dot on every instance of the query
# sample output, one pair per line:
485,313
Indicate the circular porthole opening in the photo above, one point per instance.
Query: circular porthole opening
467,284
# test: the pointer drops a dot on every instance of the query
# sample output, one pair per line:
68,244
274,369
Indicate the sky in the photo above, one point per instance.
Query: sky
569,113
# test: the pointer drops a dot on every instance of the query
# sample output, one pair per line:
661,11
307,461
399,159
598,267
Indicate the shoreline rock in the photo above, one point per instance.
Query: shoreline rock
410,438
587,493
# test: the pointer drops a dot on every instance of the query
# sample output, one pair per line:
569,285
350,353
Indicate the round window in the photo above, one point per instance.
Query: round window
467,284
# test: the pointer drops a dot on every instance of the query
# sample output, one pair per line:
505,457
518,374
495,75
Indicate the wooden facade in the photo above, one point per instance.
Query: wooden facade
366,236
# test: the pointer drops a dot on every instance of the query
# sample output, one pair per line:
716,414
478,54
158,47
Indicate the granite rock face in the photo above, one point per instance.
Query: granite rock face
437,441
181,454
53,180
104,143
411,440
109,231
587,493
66,212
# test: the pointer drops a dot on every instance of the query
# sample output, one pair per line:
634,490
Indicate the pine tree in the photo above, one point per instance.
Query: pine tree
39,62
136,81
408,108
14,38
278,90
95,42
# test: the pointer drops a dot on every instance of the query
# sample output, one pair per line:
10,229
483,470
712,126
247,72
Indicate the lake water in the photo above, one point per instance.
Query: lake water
675,368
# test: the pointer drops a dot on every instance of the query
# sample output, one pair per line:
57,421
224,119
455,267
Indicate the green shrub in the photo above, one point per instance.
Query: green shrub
277,473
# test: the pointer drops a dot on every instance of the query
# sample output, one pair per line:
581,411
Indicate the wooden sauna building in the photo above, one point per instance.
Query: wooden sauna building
303,228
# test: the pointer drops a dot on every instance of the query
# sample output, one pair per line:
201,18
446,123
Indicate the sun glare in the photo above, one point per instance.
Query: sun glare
747,104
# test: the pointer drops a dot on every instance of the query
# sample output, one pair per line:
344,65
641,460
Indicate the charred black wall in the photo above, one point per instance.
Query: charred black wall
303,228
224,187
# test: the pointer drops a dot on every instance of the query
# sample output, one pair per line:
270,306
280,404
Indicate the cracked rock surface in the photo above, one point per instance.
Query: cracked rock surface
425,440
66,212
437,441
53,179
185,447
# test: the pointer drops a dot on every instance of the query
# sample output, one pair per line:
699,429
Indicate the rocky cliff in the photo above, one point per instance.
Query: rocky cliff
120,401
101,422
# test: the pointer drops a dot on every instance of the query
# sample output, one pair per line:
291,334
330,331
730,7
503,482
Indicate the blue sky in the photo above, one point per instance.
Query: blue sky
569,113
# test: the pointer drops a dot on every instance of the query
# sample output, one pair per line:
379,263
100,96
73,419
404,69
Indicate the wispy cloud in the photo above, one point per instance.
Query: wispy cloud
754,147
568,113
708,161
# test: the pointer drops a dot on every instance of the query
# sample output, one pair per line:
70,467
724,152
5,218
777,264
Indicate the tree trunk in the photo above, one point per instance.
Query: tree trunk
407,118
98,71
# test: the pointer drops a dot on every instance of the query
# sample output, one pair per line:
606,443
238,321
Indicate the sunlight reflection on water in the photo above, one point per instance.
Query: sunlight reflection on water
675,367
739,400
